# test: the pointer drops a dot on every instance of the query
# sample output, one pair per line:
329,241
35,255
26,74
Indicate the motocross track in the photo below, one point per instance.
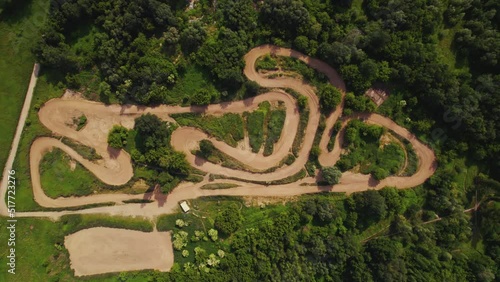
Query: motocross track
115,168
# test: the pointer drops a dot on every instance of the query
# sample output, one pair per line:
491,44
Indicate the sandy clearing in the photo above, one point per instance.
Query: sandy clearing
102,250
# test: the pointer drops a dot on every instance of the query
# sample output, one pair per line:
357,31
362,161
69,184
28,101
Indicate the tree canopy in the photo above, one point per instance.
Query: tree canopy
330,97
331,174
117,137
228,220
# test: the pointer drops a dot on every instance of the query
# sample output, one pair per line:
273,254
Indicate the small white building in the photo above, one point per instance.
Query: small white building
185,206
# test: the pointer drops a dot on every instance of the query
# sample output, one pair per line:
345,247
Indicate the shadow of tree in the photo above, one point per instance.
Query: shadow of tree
154,193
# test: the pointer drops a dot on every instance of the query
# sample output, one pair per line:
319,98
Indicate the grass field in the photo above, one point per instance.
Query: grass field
412,159
218,157
40,252
255,126
367,155
227,128
55,169
274,127
19,26
445,48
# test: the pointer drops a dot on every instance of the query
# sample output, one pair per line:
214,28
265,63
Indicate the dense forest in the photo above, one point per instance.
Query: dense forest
321,239
440,57
387,235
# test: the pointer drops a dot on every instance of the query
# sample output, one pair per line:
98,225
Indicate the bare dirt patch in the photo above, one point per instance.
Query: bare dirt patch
102,250
72,164
74,95
378,96
385,139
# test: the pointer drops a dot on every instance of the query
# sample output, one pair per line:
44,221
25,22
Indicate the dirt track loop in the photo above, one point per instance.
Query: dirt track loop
116,167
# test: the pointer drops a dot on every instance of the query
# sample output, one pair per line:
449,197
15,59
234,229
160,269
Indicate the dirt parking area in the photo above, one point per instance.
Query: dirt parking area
102,250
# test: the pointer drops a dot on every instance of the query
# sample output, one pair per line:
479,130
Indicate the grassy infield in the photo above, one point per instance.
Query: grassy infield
39,252
264,126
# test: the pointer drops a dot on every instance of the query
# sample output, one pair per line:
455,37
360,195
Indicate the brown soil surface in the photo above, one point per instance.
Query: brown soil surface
102,250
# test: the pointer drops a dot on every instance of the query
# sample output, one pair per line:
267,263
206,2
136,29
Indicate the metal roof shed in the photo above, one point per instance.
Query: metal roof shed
185,207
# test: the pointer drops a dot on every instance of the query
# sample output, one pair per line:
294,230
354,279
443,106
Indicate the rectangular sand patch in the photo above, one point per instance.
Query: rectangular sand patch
102,250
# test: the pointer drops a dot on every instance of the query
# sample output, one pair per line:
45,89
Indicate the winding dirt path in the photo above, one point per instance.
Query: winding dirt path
427,159
116,168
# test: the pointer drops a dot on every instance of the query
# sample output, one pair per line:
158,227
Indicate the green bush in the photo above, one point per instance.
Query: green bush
81,122
315,152
117,137
335,130
228,128
228,220
203,97
379,173
289,159
311,168
329,96
251,88
195,178
206,148
302,102
215,186
299,137
358,103
266,63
